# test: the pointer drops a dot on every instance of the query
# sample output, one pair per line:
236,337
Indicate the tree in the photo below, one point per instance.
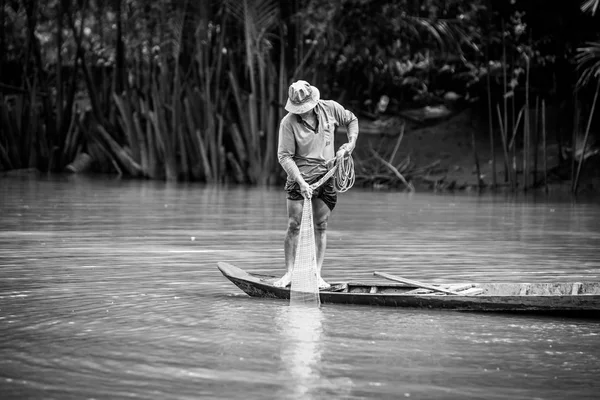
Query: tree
588,62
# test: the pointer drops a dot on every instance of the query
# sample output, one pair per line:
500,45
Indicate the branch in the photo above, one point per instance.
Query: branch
398,142
394,170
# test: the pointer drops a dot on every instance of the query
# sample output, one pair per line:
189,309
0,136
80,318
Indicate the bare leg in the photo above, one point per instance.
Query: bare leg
320,217
290,244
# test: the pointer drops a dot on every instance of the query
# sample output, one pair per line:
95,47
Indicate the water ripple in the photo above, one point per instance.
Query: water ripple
108,289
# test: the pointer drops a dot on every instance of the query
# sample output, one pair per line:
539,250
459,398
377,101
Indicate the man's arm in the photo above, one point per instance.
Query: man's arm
348,119
286,151
285,154
352,133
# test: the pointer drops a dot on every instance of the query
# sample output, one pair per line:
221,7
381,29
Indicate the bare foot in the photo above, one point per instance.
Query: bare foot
323,284
284,281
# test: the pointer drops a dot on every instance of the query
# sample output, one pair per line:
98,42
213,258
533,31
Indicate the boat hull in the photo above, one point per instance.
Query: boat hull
395,295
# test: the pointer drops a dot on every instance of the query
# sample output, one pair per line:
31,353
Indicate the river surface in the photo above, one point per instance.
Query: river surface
109,289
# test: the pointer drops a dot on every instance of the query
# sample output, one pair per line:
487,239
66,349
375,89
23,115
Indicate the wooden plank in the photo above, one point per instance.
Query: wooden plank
472,292
339,287
414,283
419,291
457,287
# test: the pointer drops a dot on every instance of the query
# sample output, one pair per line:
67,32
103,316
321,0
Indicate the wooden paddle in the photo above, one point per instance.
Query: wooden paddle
414,283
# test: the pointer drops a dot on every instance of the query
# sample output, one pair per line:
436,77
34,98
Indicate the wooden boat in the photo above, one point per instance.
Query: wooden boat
568,299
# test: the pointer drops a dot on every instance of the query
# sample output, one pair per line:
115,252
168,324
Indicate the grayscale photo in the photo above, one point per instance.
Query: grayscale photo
300,199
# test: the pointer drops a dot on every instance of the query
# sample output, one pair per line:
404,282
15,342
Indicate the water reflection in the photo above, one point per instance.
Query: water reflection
301,328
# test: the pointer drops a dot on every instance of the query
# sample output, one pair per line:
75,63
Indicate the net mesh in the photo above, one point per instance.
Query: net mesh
305,284
304,290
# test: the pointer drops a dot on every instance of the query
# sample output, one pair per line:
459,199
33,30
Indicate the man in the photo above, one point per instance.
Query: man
306,137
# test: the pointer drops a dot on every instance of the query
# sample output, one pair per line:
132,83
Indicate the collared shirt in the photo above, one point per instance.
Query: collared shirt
303,150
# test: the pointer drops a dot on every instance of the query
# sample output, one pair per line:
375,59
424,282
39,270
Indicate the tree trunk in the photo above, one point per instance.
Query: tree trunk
44,145
119,74
59,78
2,37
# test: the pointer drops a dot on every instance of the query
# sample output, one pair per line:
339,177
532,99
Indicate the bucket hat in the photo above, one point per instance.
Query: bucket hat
302,97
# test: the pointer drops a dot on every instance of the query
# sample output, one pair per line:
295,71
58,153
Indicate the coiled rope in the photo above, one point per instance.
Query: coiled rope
343,173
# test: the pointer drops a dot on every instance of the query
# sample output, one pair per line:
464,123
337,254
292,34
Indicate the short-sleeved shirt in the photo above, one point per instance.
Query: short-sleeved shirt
310,148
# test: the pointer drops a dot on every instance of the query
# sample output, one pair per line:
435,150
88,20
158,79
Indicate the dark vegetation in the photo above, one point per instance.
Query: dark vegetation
194,90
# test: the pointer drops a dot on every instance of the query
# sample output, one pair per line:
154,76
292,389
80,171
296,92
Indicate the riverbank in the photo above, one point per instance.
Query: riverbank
440,157
392,155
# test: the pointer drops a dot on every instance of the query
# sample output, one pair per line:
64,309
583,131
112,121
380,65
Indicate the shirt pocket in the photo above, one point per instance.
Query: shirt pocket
329,130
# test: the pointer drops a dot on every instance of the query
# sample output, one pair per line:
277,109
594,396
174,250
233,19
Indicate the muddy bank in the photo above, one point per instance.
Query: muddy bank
440,157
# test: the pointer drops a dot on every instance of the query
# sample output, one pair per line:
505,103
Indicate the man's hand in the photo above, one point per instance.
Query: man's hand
305,189
345,150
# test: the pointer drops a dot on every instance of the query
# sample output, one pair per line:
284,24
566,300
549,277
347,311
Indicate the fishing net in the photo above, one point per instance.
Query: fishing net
304,288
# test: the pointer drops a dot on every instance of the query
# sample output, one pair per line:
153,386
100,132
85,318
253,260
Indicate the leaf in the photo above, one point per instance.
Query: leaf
590,6
177,25
588,61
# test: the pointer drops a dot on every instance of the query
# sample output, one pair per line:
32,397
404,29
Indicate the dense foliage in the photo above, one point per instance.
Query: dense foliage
183,89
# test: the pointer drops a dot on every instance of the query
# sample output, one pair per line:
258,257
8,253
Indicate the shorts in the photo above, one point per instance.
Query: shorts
325,192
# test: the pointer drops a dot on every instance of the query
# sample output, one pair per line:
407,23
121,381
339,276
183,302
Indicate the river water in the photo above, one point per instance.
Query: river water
109,289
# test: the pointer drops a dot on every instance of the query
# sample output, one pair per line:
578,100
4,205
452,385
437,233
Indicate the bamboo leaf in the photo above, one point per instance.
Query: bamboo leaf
238,172
238,144
4,158
153,151
191,128
127,125
208,174
117,152
588,61
183,153
590,6
516,127
143,143
240,103
10,133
